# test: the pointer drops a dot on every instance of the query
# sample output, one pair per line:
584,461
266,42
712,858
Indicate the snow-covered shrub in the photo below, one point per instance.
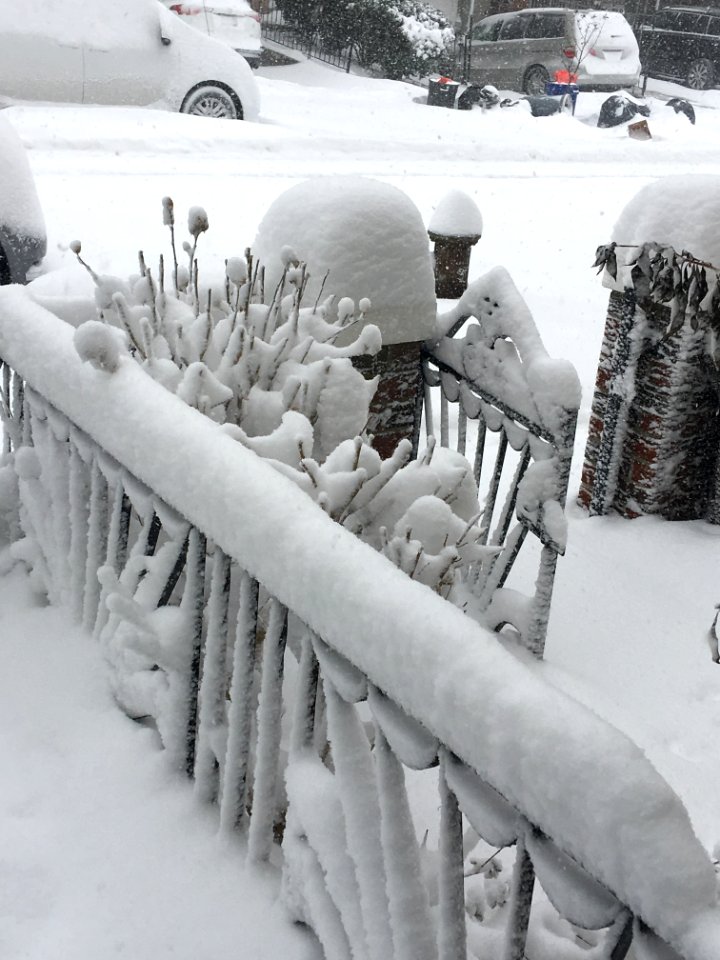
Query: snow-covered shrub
400,37
268,369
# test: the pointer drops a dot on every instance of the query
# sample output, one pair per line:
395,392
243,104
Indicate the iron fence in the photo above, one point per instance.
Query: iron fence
307,40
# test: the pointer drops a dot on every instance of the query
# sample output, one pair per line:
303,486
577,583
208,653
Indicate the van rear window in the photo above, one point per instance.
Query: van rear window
546,26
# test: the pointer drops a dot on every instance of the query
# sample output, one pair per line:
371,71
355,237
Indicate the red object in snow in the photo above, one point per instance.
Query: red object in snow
564,76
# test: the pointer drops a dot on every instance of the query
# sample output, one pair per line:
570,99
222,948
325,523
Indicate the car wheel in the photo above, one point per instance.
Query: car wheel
701,74
535,80
211,100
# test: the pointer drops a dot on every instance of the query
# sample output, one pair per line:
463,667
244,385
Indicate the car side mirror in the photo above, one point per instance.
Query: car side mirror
165,26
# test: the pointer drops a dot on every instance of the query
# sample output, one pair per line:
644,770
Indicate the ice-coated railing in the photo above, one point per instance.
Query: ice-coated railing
516,407
296,675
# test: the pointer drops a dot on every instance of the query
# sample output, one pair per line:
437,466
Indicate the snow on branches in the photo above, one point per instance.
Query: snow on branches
687,285
267,368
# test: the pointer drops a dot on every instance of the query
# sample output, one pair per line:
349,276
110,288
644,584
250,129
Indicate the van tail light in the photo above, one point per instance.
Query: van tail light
594,53
256,16
569,52
185,9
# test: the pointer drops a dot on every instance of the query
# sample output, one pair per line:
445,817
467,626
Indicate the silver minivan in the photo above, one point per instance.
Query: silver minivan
526,48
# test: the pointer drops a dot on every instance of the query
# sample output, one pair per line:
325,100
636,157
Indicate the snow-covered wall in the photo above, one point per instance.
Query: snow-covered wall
576,777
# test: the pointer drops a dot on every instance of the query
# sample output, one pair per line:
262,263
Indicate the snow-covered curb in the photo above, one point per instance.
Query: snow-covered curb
572,774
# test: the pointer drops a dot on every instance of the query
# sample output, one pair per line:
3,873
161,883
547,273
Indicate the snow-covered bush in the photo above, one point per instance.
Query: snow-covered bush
268,369
400,37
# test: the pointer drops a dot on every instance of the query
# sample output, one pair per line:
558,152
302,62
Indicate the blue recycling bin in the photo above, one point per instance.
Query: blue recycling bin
563,90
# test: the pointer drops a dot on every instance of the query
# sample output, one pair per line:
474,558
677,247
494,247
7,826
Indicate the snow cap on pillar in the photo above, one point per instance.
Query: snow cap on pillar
370,239
457,215
680,211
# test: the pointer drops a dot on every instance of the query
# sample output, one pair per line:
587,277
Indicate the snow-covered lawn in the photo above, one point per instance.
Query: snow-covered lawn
633,599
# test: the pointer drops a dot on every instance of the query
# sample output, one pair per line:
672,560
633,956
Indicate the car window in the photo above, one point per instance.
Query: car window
487,29
667,20
690,22
546,25
514,28
714,27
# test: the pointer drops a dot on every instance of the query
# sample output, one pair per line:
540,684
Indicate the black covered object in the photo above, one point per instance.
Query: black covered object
618,109
543,106
682,106
478,96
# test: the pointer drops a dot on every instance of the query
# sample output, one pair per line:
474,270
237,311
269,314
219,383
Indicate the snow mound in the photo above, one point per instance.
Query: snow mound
680,211
370,240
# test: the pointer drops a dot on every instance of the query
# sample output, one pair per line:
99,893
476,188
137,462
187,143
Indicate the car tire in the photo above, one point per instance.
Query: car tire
212,100
701,74
534,81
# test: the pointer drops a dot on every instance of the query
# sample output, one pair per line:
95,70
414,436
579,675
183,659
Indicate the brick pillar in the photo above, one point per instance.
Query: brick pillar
452,264
668,432
395,406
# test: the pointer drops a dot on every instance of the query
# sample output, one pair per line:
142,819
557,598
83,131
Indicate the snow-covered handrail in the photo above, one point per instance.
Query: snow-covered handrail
501,379
522,762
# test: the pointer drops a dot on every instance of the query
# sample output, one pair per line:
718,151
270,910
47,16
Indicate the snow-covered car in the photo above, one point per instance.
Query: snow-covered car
233,22
22,225
130,53
525,48
683,44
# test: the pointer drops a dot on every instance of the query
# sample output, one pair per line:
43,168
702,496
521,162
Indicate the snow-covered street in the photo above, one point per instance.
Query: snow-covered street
106,852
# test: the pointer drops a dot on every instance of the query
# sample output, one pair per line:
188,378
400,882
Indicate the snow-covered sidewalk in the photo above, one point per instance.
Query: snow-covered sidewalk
104,852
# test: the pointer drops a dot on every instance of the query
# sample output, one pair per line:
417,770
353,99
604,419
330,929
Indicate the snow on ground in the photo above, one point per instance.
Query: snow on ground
633,599
103,851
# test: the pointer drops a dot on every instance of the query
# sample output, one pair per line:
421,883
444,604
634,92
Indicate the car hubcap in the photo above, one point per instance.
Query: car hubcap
211,106
698,78
536,83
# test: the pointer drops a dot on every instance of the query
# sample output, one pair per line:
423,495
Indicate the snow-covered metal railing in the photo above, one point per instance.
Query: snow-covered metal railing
265,640
504,383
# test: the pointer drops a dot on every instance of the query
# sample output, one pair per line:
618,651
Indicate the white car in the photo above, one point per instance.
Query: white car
133,52
233,22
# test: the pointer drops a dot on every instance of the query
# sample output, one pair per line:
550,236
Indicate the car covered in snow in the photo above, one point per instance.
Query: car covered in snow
130,53
233,22
22,225
683,44
524,49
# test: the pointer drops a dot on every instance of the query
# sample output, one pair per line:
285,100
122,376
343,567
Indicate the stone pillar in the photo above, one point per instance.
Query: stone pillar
667,436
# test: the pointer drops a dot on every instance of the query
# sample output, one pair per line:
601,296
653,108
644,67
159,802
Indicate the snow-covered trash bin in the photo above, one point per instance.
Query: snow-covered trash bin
363,240
455,228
